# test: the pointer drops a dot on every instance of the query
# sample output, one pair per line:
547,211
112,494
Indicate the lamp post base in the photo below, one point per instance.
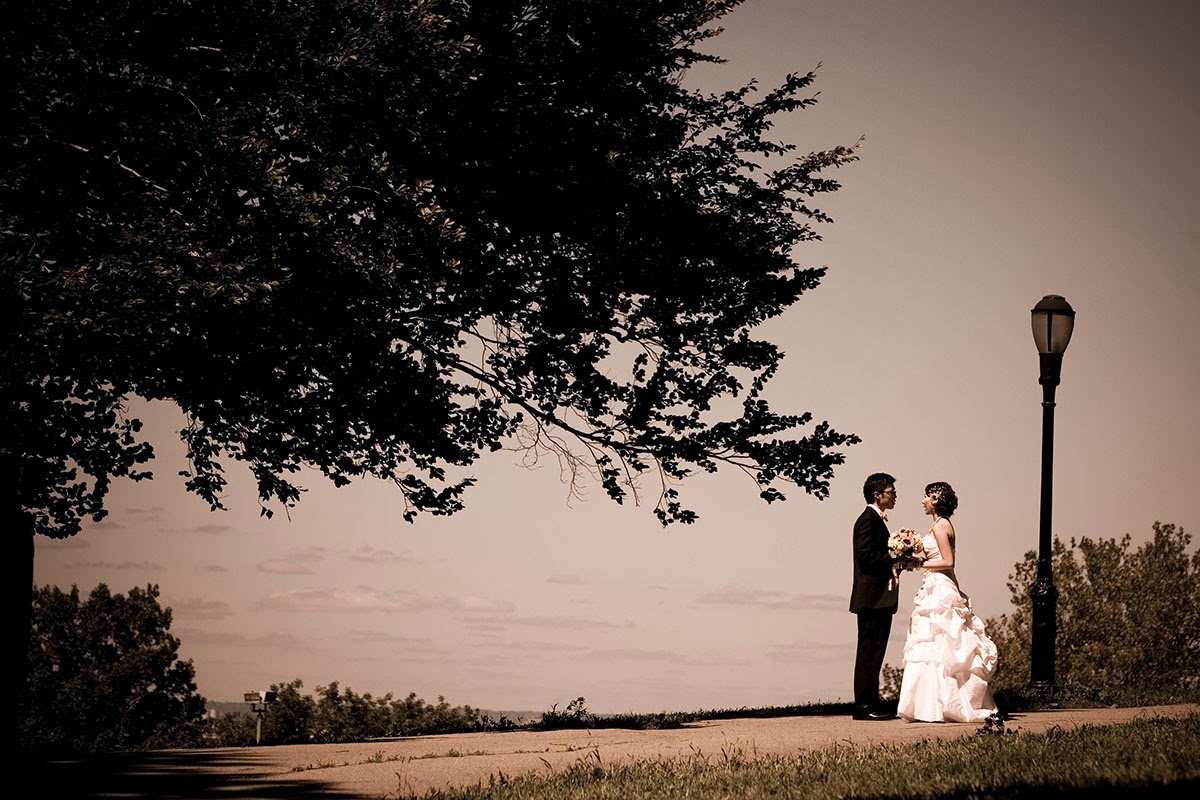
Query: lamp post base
1043,694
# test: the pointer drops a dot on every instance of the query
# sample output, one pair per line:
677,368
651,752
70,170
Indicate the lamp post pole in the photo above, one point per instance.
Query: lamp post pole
1053,322
1044,594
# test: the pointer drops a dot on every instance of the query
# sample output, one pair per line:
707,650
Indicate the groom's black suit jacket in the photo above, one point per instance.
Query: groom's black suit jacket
872,566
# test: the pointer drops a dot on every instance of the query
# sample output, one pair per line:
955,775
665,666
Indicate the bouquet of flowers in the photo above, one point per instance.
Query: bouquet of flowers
905,545
907,551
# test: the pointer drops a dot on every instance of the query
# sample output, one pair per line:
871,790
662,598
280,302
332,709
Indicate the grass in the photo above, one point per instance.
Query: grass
677,719
378,757
454,753
320,765
1158,757
1008,701
577,716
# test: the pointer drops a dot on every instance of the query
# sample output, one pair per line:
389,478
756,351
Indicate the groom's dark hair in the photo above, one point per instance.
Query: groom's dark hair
875,484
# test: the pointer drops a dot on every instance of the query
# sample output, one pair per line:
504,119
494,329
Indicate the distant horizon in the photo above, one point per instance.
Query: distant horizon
226,706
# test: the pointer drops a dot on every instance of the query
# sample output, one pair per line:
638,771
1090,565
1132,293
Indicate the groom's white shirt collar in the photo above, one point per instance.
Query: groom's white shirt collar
879,511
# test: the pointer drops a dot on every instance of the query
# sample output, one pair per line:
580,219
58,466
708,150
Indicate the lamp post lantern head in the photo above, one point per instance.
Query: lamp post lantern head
1053,321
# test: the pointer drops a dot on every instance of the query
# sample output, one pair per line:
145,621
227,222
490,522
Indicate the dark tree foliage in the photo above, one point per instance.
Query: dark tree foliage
229,730
340,715
345,716
381,237
105,674
1127,618
289,719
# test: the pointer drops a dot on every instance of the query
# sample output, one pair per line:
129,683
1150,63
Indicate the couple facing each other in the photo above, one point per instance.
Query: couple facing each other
948,657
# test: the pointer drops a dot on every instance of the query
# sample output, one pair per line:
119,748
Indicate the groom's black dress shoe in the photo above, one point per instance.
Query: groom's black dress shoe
875,714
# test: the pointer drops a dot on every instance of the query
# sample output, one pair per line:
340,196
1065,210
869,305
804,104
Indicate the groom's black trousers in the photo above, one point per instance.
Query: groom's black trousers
874,626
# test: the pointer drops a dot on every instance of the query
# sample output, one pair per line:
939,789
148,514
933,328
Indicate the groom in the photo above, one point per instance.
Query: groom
875,595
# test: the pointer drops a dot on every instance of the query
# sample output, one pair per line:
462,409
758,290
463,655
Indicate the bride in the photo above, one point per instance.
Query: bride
948,657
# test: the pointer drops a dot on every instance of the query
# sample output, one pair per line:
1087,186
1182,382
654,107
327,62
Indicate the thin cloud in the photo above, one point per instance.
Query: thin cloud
361,636
152,511
284,567
339,600
575,623
106,525
473,603
144,566
532,646
759,598
196,608
293,563
374,555
813,652
568,580
311,554
270,641
443,659
70,543
637,654
212,528
363,599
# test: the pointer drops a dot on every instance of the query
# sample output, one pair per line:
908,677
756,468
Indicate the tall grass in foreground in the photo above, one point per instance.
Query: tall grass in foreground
1157,757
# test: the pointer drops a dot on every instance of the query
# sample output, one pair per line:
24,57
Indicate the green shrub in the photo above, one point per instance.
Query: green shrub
1128,619
105,674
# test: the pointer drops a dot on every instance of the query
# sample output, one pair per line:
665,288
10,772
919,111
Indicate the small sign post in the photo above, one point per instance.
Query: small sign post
255,699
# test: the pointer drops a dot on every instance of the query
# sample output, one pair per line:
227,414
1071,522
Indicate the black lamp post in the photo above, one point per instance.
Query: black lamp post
1053,321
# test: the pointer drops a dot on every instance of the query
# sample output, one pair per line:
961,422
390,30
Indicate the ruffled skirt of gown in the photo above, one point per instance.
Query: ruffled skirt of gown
948,658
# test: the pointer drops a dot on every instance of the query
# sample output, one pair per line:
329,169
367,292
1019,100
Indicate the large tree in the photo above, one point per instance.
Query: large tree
381,237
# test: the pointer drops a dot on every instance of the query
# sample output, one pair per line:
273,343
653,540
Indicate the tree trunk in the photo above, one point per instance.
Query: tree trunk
18,611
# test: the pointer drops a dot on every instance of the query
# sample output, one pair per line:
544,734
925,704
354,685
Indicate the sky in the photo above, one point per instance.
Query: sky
1010,150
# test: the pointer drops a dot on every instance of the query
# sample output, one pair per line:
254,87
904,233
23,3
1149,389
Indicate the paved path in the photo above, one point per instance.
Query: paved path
398,768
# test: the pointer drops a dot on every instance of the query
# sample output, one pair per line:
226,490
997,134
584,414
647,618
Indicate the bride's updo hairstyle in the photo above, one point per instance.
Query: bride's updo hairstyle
944,498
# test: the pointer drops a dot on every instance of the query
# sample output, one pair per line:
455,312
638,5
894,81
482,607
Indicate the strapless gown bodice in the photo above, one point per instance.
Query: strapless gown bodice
931,546
933,553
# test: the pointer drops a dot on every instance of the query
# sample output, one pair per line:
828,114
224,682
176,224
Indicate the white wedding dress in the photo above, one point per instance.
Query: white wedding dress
948,657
